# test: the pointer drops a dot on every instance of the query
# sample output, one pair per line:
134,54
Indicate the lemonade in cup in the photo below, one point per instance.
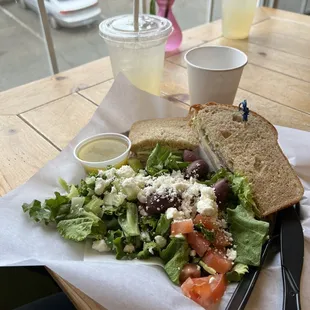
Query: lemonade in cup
139,55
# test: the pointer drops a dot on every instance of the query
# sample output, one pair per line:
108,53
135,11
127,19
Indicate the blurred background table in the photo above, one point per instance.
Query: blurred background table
38,119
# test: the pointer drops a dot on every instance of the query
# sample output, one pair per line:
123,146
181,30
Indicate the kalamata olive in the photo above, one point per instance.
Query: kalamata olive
189,271
197,169
156,204
221,189
189,156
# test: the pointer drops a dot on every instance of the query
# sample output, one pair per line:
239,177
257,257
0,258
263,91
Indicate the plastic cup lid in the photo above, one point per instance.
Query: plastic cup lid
121,28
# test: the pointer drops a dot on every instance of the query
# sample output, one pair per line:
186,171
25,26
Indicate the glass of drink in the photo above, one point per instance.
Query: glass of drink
237,18
138,55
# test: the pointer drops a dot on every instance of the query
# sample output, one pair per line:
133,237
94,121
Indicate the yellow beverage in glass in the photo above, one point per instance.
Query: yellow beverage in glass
138,55
237,18
143,66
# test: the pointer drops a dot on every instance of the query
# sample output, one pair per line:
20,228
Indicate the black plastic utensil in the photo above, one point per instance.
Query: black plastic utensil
292,256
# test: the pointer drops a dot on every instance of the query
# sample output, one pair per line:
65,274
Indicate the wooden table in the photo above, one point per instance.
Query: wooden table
38,119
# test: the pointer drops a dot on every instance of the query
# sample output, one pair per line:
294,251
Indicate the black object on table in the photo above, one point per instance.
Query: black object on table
31,288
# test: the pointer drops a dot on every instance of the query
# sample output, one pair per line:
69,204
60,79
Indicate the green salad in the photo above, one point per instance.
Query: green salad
201,224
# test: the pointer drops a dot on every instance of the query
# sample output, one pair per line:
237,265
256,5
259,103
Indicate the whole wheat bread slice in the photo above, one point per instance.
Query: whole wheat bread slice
252,150
172,132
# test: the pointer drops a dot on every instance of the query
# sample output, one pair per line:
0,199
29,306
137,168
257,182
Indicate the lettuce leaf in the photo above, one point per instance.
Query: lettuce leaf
75,229
37,212
175,265
49,210
163,226
172,248
149,249
94,206
248,234
236,274
162,160
129,220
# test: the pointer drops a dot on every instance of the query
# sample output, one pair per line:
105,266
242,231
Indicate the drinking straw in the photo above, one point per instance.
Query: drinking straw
136,14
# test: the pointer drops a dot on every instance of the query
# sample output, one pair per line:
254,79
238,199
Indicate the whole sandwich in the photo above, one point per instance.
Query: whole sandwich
247,148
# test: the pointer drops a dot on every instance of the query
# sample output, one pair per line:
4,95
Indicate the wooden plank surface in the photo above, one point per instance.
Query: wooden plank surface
23,152
286,15
275,113
35,94
97,93
277,87
60,120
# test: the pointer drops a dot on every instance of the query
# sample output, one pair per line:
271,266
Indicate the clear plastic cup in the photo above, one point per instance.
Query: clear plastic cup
237,18
138,55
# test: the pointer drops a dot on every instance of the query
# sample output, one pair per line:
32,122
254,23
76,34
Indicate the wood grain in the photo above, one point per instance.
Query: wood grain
23,152
62,119
80,300
286,15
290,29
175,82
29,96
277,87
276,113
261,35
97,93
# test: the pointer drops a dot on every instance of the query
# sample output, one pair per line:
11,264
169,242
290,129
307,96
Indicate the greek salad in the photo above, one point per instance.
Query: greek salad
201,224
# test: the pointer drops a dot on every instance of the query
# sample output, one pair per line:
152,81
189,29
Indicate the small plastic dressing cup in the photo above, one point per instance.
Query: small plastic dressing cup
117,161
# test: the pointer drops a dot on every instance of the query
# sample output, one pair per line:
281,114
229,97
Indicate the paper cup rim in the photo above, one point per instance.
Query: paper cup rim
103,162
216,70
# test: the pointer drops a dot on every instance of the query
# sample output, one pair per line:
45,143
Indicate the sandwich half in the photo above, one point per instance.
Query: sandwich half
175,133
250,149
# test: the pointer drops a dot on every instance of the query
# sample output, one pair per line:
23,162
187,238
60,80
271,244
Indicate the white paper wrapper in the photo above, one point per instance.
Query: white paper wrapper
133,284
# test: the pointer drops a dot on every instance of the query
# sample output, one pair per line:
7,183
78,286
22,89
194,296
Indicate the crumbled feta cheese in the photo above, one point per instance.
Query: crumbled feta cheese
179,236
223,223
126,172
100,246
211,280
160,241
101,185
173,213
207,207
129,248
192,253
145,236
231,254
90,180
109,173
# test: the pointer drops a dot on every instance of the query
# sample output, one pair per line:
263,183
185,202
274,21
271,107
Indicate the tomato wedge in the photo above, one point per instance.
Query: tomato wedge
182,227
205,291
221,239
217,261
198,242
207,221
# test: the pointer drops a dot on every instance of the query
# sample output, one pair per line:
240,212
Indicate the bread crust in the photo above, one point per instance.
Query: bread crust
199,110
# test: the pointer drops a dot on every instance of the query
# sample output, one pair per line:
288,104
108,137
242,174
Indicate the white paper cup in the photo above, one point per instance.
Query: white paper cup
214,73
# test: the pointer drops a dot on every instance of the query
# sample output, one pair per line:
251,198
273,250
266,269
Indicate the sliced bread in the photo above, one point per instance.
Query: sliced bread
252,150
172,132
